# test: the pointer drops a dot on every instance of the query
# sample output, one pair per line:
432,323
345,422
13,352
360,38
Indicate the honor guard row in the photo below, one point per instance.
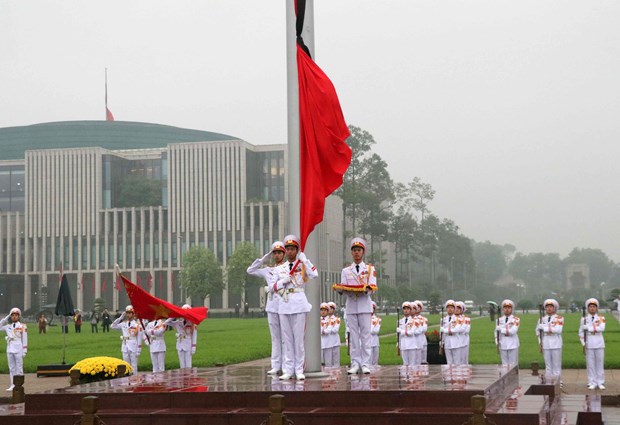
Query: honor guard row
134,334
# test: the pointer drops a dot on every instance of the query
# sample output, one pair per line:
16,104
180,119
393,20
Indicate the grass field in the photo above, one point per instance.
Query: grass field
228,341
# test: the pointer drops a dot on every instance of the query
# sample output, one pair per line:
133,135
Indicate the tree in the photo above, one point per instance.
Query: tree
201,275
238,279
138,191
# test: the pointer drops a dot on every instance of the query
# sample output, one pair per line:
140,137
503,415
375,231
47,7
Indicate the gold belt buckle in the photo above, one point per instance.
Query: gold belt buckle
291,290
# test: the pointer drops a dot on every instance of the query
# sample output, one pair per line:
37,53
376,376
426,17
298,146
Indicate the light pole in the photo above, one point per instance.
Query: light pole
602,291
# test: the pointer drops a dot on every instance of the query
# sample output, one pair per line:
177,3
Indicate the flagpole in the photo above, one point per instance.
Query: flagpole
106,94
312,291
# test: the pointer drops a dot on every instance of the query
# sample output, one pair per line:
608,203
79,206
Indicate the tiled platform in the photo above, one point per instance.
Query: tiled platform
239,394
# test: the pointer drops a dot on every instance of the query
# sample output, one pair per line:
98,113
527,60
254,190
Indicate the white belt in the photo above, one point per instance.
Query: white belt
293,290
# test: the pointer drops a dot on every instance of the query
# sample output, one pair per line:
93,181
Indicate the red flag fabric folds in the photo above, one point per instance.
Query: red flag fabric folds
324,156
108,115
150,307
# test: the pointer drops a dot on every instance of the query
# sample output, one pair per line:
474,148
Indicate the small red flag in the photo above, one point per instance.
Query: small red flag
108,115
117,284
150,307
323,154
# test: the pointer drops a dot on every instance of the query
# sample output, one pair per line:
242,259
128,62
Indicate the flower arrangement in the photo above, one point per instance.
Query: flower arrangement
100,368
432,336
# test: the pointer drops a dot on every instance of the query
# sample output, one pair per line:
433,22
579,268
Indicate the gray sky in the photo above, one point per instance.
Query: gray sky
510,109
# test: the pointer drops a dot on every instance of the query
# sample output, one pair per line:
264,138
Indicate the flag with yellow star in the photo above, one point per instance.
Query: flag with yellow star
149,307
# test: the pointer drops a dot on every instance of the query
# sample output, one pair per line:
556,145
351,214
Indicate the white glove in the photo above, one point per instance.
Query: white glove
302,257
283,282
193,351
266,257
267,289
24,354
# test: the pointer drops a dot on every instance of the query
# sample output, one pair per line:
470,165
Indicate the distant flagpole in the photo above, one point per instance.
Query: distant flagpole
108,113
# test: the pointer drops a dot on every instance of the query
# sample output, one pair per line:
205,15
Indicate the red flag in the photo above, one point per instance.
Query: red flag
117,284
149,281
104,285
323,154
150,307
108,115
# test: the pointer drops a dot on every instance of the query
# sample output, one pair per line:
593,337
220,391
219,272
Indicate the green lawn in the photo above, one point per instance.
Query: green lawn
228,341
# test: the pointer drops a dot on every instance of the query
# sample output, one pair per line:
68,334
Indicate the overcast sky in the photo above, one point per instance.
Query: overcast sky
509,109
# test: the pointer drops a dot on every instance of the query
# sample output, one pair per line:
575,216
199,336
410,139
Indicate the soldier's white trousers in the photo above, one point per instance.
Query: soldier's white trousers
553,361
16,365
331,356
185,359
408,357
509,357
359,338
273,319
451,355
595,364
424,354
159,361
374,355
131,358
293,333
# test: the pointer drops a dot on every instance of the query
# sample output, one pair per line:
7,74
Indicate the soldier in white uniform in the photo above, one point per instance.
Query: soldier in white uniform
270,274
187,335
591,335
16,343
551,327
294,273
154,338
359,305
375,328
325,334
334,337
132,336
463,329
449,337
420,325
424,353
405,335
506,334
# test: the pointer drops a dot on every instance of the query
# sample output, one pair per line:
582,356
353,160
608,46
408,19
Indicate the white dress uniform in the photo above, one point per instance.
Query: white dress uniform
451,327
16,345
325,335
186,334
406,340
154,338
272,305
359,310
462,330
420,326
591,336
552,327
375,328
333,350
131,338
293,310
507,338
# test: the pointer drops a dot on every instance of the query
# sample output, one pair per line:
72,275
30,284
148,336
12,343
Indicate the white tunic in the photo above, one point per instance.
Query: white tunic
594,326
155,331
507,327
358,302
375,328
551,327
16,337
271,276
131,335
292,284
187,334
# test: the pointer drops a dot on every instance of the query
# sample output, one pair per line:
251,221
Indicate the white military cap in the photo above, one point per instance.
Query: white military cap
420,305
591,301
292,240
554,303
406,304
16,310
129,308
460,304
358,242
332,304
449,302
324,306
508,302
186,306
278,246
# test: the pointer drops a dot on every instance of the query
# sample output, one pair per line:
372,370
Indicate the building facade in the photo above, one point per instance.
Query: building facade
80,197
